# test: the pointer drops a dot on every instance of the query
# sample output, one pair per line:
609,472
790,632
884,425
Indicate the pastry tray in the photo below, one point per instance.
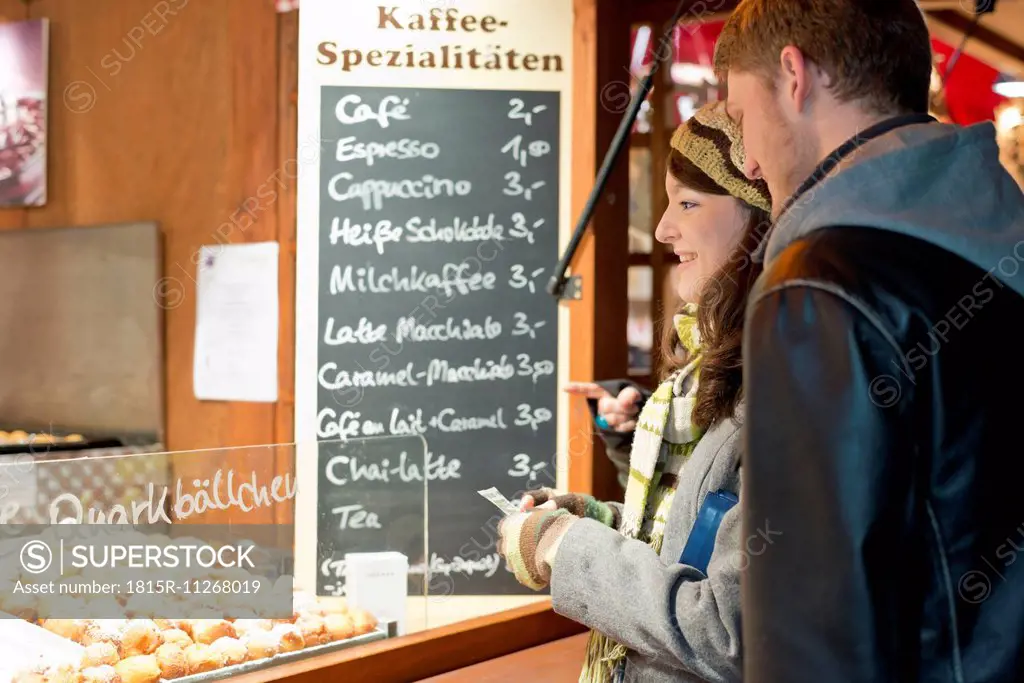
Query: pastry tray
383,631
60,444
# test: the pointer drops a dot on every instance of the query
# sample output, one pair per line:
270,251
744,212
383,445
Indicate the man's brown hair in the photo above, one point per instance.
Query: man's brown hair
875,51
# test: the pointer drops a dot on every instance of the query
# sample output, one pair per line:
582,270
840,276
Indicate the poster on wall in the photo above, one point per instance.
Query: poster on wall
433,201
24,50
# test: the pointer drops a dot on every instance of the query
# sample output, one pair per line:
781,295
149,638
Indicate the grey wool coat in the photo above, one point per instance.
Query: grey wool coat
677,624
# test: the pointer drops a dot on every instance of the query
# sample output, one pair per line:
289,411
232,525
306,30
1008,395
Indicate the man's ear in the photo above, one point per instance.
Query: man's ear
796,76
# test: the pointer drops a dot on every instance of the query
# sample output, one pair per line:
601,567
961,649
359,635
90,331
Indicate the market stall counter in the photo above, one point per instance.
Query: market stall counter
204,565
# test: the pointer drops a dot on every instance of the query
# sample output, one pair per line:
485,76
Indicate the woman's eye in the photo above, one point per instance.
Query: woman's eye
687,205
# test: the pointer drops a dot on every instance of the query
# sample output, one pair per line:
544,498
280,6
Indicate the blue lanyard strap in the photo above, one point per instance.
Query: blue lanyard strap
701,542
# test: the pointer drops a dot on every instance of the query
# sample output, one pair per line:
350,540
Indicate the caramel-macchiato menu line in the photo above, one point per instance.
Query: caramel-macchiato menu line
438,225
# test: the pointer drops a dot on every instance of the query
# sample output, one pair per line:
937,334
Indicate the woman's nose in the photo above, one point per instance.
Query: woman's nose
666,233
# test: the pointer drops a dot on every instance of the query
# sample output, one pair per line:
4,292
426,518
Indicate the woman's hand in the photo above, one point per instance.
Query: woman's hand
529,542
619,413
579,504
540,499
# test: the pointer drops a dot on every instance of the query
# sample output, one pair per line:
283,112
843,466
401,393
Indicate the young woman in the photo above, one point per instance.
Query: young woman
620,568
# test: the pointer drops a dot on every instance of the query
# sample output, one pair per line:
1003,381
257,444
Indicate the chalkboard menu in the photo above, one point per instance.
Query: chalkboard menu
438,230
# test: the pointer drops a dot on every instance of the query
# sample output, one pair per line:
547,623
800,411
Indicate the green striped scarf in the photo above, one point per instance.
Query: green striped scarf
664,439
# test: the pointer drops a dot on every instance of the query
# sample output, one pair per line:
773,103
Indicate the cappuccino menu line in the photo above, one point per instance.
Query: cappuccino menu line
438,224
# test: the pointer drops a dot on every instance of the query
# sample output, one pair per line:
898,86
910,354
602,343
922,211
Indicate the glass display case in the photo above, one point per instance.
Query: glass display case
201,565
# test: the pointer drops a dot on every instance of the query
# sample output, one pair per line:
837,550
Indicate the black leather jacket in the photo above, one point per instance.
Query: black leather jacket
883,465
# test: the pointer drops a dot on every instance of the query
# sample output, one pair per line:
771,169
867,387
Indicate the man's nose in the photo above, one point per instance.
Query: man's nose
751,169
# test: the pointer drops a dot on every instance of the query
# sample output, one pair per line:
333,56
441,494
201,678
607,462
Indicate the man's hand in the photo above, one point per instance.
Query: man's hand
619,412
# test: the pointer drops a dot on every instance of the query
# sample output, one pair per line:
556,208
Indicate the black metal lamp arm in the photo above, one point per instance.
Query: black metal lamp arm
556,285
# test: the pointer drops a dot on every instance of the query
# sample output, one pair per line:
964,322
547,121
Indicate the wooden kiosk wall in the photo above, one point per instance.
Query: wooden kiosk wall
182,128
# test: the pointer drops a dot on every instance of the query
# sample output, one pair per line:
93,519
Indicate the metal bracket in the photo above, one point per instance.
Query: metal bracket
573,290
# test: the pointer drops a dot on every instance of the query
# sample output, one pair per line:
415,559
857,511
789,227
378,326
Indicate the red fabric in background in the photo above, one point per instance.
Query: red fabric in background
969,94
695,43
691,43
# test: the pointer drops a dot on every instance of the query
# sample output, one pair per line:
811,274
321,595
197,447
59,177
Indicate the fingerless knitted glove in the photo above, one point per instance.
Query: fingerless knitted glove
529,541
579,504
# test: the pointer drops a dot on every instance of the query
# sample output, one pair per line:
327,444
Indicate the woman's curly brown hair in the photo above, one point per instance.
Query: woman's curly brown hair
720,310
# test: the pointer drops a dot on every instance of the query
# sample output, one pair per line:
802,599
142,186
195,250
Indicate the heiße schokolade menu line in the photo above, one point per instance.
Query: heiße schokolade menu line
439,215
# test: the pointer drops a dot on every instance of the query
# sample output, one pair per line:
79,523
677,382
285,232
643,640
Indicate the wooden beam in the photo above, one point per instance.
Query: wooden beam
985,43
559,660
287,154
598,320
287,145
636,259
660,11
640,140
428,653
661,138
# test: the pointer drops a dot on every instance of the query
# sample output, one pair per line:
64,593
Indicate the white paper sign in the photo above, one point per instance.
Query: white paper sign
237,323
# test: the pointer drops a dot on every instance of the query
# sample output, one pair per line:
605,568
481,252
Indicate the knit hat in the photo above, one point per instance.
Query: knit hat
712,141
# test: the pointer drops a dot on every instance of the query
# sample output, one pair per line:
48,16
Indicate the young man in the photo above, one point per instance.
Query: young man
882,471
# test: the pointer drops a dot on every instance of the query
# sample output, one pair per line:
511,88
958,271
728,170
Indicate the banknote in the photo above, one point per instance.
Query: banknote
501,502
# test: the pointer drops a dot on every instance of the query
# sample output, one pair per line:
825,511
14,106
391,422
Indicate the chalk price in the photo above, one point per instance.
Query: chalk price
520,280
538,368
525,327
523,152
522,467
532,417
518,111
519,228
515,186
